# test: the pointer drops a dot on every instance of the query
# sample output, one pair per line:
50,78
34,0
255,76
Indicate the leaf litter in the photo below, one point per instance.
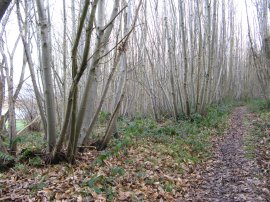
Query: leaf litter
142,173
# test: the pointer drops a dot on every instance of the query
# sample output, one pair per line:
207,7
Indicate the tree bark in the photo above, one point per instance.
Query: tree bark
102,40
185,58
46,65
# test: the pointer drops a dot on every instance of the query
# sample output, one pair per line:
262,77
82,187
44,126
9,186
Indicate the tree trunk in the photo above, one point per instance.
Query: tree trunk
76,79
185,57
112,128
31,69
85,134
102,40
46,65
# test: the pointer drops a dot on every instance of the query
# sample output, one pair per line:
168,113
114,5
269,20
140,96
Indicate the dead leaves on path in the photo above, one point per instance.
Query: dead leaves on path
228,176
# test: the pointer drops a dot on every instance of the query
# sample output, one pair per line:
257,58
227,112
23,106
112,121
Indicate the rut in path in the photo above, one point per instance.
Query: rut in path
229,175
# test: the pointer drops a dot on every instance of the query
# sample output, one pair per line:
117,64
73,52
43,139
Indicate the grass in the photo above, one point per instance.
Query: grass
20,124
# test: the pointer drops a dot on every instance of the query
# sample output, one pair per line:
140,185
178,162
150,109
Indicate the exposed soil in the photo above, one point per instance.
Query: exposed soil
229,175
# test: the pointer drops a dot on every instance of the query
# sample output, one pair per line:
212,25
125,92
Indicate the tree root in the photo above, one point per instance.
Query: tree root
56,158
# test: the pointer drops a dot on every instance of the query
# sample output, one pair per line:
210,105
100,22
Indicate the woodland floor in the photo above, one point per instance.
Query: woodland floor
230,175
142,174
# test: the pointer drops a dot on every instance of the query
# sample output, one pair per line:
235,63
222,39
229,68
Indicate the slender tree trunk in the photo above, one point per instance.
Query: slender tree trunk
31,69
64,57
185,57
102,40
112,128
77,124
78,75
89,108
46,65
11,103
85,136
200,55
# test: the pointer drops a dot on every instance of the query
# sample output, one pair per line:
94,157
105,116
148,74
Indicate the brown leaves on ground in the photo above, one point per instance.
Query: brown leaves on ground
140,173
144,172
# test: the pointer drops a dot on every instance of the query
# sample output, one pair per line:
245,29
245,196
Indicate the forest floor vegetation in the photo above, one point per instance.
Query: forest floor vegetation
165,161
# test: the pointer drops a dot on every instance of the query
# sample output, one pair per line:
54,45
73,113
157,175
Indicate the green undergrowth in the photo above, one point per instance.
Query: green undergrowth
148,153
30,147
185,140
259,106
257,142
171,146
32,140
20,124
256,128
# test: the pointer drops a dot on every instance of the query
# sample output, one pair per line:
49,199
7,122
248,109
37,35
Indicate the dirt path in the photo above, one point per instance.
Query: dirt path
229,175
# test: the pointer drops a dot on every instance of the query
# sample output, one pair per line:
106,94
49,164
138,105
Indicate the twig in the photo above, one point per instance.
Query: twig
87,147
